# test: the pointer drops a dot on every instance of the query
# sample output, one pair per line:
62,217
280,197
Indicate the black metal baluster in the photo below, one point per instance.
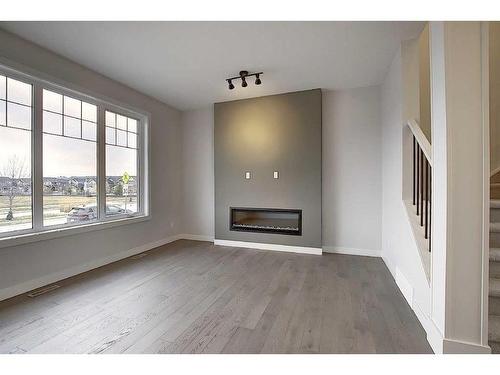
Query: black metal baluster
422,189
418,179
426,198
430,209
414,156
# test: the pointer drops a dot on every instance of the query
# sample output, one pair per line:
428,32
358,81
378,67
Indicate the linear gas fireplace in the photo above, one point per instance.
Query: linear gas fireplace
267,220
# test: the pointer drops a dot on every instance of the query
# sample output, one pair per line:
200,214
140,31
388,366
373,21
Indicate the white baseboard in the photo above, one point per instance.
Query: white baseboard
196,237
404,286
268,246
434,335
460,347
24,287
351,251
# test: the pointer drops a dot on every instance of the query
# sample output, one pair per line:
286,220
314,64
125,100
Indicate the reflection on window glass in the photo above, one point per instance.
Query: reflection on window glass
15,155
121,165
69,160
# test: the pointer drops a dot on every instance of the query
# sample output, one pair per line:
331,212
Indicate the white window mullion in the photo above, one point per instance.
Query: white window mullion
101,162
144,142
37,158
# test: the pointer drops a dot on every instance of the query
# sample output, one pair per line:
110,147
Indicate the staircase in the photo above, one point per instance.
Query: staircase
494,293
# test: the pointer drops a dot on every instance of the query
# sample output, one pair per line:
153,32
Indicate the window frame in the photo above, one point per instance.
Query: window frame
38,231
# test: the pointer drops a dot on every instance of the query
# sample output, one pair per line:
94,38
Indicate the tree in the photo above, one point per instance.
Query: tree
14,169
118,190
125,180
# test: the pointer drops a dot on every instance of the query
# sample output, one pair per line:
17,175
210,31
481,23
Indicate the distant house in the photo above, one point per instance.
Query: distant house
90,186
20,186
74,185
55,185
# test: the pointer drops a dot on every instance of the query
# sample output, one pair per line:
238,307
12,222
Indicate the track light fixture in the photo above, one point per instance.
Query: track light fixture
243,76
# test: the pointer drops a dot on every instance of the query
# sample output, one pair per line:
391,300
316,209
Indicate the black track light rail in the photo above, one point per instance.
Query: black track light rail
243,76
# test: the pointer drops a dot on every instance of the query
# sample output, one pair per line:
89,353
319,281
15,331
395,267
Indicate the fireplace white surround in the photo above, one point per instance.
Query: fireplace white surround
269,246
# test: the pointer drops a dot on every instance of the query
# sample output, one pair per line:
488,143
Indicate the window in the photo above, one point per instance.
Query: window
69,160
15,155
66,159
121,164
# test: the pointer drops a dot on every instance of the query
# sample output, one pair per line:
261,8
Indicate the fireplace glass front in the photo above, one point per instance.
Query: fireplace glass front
267,220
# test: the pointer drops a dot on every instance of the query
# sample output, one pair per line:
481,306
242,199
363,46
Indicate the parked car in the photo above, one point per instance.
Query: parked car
113,209
88,213
82,213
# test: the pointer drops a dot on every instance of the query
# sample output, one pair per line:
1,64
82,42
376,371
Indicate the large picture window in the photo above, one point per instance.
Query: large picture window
15,155
66,159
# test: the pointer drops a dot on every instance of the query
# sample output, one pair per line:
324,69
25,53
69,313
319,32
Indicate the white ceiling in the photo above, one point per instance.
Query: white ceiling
185,64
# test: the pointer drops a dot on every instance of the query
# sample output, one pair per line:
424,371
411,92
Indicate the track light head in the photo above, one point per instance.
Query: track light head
257,79
231,86
243,82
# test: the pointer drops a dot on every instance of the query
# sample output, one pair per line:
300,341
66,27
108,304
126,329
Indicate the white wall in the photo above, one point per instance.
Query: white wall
352,186
399,249
45,261
351,171
461,183
197,134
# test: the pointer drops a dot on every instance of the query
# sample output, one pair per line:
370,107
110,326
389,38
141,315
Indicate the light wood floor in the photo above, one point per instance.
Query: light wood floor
194,297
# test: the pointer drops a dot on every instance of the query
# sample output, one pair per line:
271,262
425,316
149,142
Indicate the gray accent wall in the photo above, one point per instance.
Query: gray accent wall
261,135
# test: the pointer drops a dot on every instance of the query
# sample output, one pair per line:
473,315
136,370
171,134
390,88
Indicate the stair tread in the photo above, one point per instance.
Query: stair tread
494,203
495,227
495,254
494,328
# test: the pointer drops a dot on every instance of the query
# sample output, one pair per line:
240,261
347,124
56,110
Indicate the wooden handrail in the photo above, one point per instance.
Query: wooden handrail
421,139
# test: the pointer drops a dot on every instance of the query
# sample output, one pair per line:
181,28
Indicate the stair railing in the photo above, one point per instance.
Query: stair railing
422,179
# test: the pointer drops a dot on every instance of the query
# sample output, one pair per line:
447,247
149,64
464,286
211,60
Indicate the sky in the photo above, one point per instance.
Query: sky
62,156
65,156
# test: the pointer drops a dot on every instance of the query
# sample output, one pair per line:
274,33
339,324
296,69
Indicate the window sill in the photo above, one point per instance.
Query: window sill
69,231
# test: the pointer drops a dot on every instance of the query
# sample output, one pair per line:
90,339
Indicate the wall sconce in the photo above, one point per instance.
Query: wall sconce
276,175
243,76
248,175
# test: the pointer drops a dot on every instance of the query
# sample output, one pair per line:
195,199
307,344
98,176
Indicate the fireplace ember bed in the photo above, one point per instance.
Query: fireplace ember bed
266,220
